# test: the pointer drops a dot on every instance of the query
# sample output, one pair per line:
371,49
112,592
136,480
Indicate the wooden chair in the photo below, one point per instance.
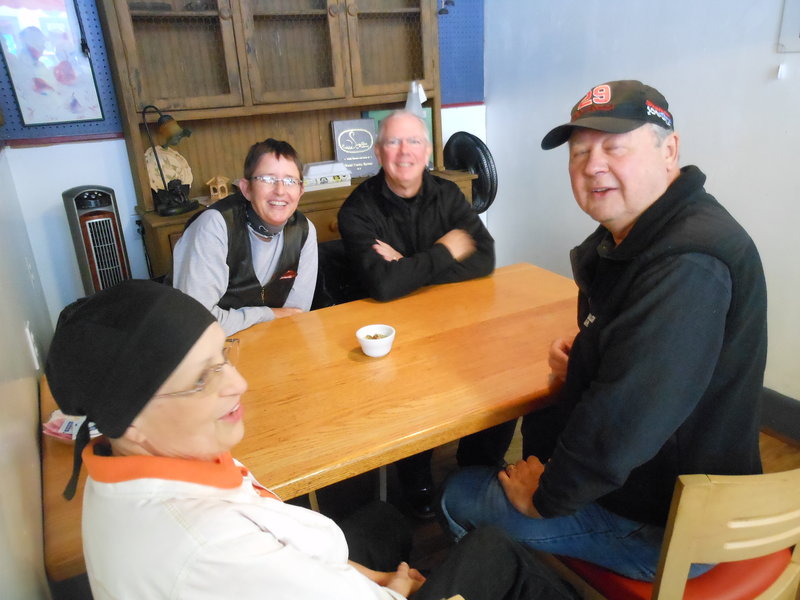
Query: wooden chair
746,523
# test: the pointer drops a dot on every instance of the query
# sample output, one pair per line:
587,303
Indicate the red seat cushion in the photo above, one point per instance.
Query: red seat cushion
740,580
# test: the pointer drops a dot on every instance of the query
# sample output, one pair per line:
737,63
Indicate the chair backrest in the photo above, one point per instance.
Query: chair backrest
719,518
337,282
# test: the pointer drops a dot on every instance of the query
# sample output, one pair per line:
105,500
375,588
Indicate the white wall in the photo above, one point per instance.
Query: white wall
40,174
715,61
21,302
471,119
39,275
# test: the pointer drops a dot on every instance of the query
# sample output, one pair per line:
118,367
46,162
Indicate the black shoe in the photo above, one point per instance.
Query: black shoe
421,501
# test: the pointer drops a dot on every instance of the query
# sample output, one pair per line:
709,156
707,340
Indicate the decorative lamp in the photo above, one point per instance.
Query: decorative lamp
173,198
169,130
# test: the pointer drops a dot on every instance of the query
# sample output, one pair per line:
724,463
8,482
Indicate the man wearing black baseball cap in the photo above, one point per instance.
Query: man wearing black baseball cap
665,374
614,107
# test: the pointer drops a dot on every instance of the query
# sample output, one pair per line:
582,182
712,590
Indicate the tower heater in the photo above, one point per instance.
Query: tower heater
97,235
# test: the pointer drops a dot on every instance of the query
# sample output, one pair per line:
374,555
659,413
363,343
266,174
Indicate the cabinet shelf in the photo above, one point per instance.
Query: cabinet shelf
302,13
174,14
389,11
187,114
290,13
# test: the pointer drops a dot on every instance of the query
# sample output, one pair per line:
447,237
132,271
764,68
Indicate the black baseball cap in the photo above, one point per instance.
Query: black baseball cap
614,107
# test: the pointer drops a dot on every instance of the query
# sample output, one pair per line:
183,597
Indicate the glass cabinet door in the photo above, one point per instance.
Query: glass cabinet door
181,54
294,49
391,44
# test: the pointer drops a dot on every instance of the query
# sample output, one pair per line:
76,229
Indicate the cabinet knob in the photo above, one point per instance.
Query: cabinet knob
225,13
334,226
333,10
352,10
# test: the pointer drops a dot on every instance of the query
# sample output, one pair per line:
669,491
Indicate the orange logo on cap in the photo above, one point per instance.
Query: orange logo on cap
597,95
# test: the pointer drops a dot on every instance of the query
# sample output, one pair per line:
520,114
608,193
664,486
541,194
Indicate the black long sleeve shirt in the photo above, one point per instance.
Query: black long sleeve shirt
411,226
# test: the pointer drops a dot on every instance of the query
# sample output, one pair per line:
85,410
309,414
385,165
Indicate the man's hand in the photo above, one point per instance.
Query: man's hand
388,253
558,357
286,311
459,243
520,481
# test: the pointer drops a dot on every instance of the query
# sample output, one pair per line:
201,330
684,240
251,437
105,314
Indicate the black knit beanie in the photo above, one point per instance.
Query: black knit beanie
112,351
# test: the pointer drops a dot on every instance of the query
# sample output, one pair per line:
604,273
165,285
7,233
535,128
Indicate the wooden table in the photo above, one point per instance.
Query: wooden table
466,356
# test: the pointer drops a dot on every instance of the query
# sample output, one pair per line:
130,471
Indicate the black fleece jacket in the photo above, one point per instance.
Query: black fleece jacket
665,375
411,226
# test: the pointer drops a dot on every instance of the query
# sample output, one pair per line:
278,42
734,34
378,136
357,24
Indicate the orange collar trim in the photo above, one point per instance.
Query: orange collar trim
221,472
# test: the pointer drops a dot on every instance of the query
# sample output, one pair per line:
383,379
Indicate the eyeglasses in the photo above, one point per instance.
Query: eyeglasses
411,141
270,180
230,356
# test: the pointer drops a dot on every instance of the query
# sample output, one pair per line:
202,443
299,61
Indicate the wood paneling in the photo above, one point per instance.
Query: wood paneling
219,146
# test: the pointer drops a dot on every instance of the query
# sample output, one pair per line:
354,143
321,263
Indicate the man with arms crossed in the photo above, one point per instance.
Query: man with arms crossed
665,374
404,229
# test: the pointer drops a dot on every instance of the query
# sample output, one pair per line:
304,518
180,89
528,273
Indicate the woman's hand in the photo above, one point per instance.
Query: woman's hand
405,580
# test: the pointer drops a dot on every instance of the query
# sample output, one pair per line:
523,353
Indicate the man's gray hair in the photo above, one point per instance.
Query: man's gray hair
400,113
661,133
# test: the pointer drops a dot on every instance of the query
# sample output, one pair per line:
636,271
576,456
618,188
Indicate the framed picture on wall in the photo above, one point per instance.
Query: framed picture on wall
50,70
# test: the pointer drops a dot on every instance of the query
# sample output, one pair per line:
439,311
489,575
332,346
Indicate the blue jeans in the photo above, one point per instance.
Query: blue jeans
474,497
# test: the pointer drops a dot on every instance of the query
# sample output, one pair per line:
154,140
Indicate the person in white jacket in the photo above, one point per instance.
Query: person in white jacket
168,513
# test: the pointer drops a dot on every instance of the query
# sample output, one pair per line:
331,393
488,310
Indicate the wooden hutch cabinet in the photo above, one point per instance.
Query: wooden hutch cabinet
179,58
236,71
339,49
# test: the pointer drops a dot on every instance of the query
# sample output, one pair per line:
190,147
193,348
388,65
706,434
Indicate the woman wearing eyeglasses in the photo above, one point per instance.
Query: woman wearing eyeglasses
253,256
168,513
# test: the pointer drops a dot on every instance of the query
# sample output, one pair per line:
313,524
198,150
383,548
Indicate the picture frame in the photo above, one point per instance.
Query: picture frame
48,63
